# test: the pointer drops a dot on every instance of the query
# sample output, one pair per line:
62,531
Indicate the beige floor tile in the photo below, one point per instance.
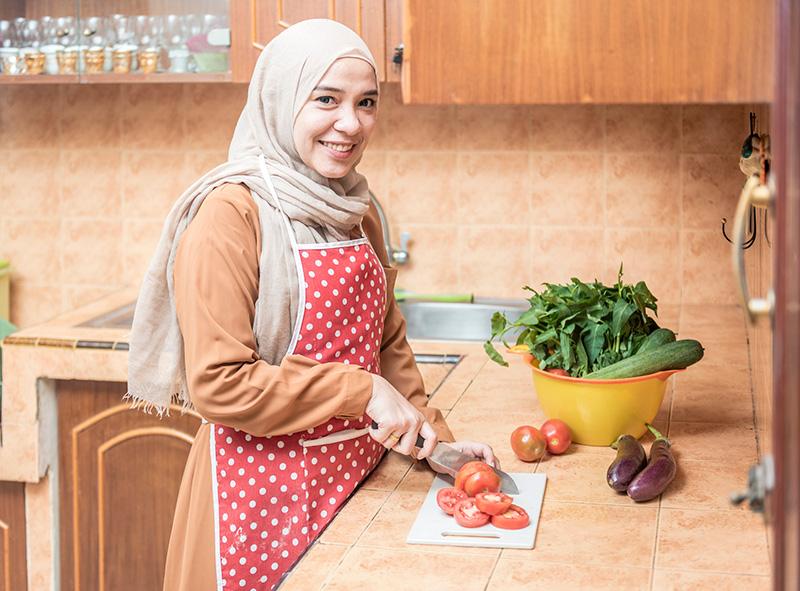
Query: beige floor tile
524,575
719,541
722,396
354,517
706,485
589,534
580,477
402,570
389,472
390,528
317,565
713,441
433,374
667,580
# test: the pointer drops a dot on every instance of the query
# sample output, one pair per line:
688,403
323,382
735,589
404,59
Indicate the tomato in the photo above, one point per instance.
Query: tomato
467,514
493,503
468,469
557,434
528,443
515,517
448,498
557,371
481,481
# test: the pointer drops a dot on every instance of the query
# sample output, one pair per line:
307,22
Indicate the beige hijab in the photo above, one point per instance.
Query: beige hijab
320,210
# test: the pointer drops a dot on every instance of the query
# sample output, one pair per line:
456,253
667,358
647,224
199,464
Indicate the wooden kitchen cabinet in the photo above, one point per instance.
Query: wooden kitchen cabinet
255,22
587,51
119,475
13,573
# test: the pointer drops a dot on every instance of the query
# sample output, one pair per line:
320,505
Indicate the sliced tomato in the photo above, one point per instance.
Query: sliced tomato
467,514
492,503
515,517
480,482
448,498
468,469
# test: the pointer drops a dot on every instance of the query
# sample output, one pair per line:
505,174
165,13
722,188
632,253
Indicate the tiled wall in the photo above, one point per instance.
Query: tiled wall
493,197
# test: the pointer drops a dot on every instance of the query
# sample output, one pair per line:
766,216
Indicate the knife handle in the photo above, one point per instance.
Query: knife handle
420,438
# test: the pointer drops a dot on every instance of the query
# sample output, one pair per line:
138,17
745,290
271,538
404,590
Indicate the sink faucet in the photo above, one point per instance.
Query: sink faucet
398,256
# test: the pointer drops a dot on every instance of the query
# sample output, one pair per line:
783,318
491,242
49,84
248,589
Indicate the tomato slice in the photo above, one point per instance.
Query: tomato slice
515,517
467,514
493,503
468,469
448,498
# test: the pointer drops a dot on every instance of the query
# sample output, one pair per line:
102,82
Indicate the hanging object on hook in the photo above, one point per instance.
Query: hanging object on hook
754,159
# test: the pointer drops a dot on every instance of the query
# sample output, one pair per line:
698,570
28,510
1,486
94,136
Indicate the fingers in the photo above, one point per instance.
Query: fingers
409,439
431,439
385,435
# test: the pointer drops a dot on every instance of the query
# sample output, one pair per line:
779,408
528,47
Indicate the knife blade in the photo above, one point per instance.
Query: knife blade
449,460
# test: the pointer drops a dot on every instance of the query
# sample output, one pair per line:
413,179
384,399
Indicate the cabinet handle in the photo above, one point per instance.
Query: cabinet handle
758,195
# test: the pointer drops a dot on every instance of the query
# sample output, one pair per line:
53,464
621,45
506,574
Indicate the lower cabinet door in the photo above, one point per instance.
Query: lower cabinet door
13,564
119,475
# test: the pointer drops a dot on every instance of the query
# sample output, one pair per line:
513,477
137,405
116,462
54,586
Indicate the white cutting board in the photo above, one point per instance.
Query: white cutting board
434,526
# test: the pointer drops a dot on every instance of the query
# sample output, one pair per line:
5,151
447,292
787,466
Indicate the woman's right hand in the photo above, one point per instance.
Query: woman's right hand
397,417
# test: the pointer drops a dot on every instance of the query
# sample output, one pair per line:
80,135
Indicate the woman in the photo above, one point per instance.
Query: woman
268,308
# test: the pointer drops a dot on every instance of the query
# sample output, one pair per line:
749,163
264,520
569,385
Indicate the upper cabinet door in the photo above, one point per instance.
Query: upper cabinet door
587,51
255,22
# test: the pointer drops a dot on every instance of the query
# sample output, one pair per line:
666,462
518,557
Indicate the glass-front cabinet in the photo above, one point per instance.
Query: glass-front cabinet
92,41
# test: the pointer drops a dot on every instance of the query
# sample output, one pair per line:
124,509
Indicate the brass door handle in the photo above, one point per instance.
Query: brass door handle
758,195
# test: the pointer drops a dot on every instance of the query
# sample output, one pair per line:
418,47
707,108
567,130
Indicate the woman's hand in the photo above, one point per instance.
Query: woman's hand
479,451
399,421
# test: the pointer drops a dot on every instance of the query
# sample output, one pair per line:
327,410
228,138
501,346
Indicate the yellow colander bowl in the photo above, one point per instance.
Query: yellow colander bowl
599,411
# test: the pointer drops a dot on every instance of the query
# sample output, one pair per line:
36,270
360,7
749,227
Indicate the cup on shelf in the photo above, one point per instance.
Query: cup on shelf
10,61
122,59
179,60
94,58
148,60
68,60
34,60
51,58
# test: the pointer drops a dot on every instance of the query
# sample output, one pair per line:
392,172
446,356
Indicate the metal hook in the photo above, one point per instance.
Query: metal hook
752,228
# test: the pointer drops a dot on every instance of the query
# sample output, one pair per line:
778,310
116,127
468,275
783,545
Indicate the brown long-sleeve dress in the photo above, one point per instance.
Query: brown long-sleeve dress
216,285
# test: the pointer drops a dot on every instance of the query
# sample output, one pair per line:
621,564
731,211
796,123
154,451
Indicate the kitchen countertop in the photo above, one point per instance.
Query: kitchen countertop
588,535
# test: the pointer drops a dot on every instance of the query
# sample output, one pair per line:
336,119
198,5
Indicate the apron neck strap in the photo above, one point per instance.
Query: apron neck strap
262,162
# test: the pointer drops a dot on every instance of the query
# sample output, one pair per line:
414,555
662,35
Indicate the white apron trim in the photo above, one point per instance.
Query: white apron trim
218,557
335,437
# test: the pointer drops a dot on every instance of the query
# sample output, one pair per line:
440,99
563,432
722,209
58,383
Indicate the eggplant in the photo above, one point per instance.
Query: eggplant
659,472
629,462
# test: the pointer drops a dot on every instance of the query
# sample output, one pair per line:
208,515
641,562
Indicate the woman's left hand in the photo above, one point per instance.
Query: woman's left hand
479,451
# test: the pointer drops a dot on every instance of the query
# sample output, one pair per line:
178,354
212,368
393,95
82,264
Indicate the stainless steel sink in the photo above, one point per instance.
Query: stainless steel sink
425,320
457,321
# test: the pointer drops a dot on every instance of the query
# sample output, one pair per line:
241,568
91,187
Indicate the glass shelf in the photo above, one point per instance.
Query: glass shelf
117,41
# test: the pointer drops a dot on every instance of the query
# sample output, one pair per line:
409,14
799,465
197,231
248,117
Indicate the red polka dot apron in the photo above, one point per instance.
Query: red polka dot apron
274,495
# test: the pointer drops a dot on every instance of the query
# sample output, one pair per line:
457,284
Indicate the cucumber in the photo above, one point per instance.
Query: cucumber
675,355
655,339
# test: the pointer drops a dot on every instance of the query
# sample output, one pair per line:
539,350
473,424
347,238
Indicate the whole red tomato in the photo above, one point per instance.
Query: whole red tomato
557,371
557,434
528,443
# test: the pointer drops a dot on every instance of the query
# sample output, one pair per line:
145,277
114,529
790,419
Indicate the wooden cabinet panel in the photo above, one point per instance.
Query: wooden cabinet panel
587,51
119,474
255,22
13,563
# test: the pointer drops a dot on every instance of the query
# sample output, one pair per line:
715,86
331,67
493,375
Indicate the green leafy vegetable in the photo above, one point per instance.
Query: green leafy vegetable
580,327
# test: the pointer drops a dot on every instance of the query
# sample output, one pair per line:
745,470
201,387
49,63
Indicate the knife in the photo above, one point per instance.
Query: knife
449,460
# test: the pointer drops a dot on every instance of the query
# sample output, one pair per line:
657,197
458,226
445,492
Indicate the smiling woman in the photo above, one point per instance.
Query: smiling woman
333,128
268,308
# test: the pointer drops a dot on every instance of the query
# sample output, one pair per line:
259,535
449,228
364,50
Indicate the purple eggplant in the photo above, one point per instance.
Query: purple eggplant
659,472
629,462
